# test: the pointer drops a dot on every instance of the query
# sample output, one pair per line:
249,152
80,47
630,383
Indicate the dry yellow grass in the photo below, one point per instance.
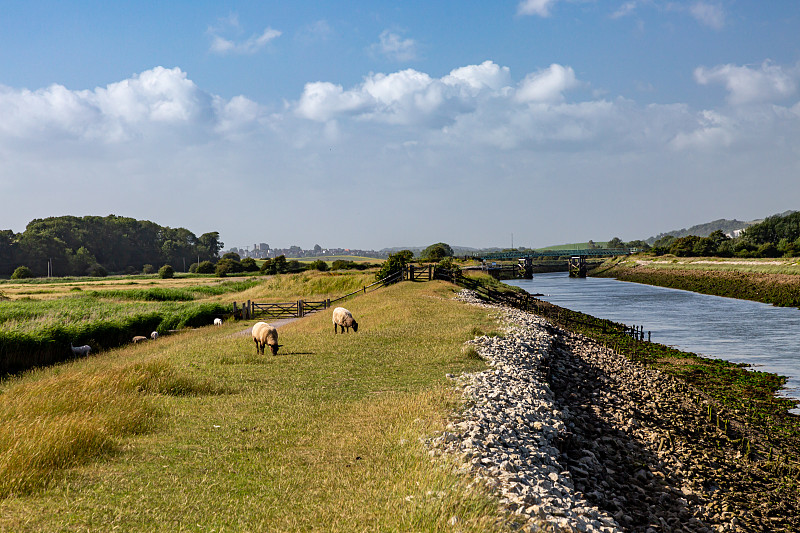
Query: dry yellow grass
326,435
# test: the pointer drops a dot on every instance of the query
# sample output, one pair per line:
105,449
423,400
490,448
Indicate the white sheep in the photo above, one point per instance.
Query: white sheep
265,334
344,318
80,350
154,335
217,321
139,338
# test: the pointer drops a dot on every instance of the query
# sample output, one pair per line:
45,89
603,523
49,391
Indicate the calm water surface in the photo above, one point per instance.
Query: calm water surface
741,331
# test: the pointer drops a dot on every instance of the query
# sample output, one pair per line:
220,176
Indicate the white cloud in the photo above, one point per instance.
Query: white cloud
625,9
536,7
711,15
400,132
322,101
547,85
487,75
225,45
394,47
151,102
746,85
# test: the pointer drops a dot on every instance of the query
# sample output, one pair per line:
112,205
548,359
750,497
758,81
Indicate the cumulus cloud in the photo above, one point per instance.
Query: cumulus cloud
394,47
105,149
487,75
536,7
410,96
746,85
153,101
547,85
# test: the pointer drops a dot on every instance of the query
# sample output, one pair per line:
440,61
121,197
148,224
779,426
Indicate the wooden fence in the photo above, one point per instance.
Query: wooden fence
300,308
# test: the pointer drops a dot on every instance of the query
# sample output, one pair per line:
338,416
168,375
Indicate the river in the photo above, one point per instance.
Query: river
761,335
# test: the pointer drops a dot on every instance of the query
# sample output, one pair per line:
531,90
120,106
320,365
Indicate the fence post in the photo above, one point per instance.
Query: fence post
430,272
249,310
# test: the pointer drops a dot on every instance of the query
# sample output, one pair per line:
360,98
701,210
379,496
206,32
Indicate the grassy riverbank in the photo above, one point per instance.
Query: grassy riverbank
194,431
774,282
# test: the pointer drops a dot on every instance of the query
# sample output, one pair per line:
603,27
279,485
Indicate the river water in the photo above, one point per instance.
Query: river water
761,335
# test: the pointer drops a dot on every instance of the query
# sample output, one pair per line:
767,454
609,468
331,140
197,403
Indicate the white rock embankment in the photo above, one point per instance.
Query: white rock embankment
507,434
575,437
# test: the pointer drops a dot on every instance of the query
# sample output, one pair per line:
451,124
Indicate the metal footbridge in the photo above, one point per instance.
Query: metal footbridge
535,254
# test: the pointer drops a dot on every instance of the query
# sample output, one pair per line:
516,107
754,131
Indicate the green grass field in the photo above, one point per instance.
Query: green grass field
196,432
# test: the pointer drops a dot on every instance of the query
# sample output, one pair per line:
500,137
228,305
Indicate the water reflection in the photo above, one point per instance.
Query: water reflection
741,331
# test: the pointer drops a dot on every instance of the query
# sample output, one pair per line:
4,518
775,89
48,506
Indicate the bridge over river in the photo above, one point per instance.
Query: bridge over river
576,259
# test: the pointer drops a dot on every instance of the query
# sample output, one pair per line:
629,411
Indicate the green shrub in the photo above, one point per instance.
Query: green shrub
22,272
148,269
206,267
166,272
395,263
249,264
227,266
97,271
268,267
320,265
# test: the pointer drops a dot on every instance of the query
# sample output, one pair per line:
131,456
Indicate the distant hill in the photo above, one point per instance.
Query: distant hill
728,227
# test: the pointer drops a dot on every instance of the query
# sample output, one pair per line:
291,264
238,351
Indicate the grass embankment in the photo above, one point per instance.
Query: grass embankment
324,436
774,282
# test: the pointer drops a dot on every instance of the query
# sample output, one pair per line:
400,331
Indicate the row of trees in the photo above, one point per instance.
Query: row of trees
775,236
92,245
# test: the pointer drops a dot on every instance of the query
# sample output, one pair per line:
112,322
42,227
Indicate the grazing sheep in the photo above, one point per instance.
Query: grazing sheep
217,321
264,334
344,318
80,350
154,335
139,338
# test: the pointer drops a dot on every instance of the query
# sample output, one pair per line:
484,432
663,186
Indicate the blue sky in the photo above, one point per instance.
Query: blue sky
374,124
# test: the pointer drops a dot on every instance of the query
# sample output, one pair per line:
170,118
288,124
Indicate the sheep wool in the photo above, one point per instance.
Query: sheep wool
81,350
265,334
139,338
344,319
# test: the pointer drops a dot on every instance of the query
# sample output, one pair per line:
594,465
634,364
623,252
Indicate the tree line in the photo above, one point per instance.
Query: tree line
96,246
775,236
